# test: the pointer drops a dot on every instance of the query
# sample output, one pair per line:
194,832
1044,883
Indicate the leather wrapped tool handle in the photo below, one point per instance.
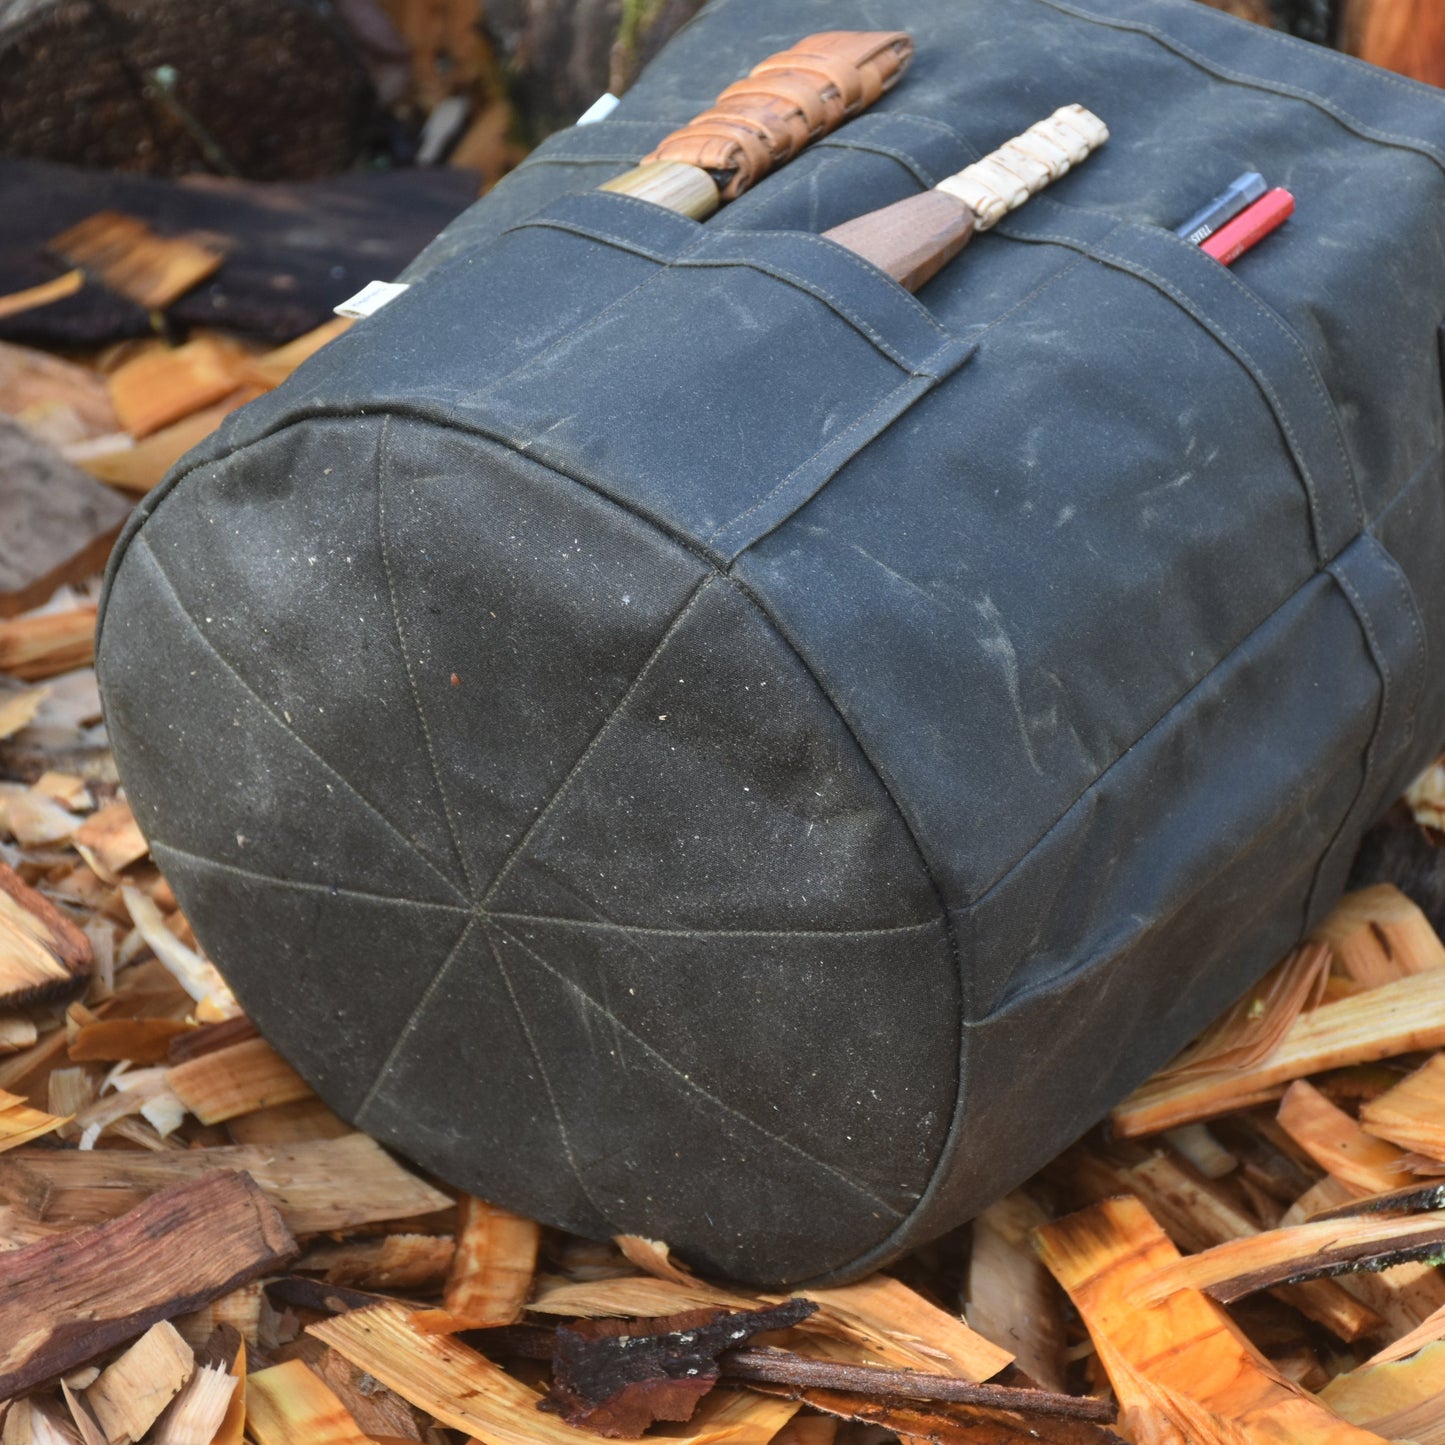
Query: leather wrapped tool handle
913,239
760,122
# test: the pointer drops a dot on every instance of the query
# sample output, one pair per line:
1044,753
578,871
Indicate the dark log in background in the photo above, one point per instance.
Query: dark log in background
294,89
268,89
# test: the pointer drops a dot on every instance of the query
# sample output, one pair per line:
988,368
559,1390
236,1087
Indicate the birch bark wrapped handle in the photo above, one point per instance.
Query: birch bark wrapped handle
913,239
1006,178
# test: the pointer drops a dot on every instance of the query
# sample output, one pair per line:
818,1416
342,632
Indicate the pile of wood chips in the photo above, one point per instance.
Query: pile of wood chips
195,1249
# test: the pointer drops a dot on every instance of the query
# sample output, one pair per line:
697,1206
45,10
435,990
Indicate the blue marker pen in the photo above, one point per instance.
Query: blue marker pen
1240,193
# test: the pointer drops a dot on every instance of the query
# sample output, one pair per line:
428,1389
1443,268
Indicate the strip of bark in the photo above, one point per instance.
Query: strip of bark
618,1376
68,1299
1413,1199
1305,1251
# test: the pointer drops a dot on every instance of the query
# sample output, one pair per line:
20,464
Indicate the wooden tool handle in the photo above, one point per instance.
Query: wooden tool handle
913,239
786,102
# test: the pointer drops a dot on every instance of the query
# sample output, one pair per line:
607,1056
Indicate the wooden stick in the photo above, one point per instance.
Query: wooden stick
70,1298
43,295
912,240
781,1367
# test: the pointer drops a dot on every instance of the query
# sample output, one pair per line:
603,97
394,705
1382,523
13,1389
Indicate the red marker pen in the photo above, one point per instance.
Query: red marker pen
1250,226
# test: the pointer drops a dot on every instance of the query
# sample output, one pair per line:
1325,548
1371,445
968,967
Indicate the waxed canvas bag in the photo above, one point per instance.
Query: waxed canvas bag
680,736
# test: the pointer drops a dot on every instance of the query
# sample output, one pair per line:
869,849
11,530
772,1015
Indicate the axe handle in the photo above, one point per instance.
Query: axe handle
760,122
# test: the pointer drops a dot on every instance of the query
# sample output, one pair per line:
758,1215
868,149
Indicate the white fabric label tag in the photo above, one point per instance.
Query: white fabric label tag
600,109
370,299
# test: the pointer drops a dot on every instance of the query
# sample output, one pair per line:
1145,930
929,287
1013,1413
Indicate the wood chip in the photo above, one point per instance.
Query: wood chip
114,839
1338,1144
137,469
197,975
19,1123
158,388
38,645
16,1032
68,789
1180,1364
1378,935
1403,1400
131,259
141,1041
491,1271
240,1310
330,1184
1196,1218
131,1393
57,524
198,1412
305,1120
43,955
32,819
468,1392
18,709
167,1256
653,1257
902,1328
1011,1297
1251,1031
631,1297
1412,1114
1395,1018
238,1080
289,1405
56,400
272,368
415,1264
37,1422
1430,1329
376,1409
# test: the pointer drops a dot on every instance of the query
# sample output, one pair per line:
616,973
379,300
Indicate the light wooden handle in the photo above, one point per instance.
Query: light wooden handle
1006,178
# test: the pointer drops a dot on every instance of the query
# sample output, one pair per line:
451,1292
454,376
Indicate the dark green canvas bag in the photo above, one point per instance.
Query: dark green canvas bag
680,736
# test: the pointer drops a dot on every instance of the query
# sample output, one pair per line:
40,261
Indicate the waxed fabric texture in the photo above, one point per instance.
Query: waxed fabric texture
681,737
